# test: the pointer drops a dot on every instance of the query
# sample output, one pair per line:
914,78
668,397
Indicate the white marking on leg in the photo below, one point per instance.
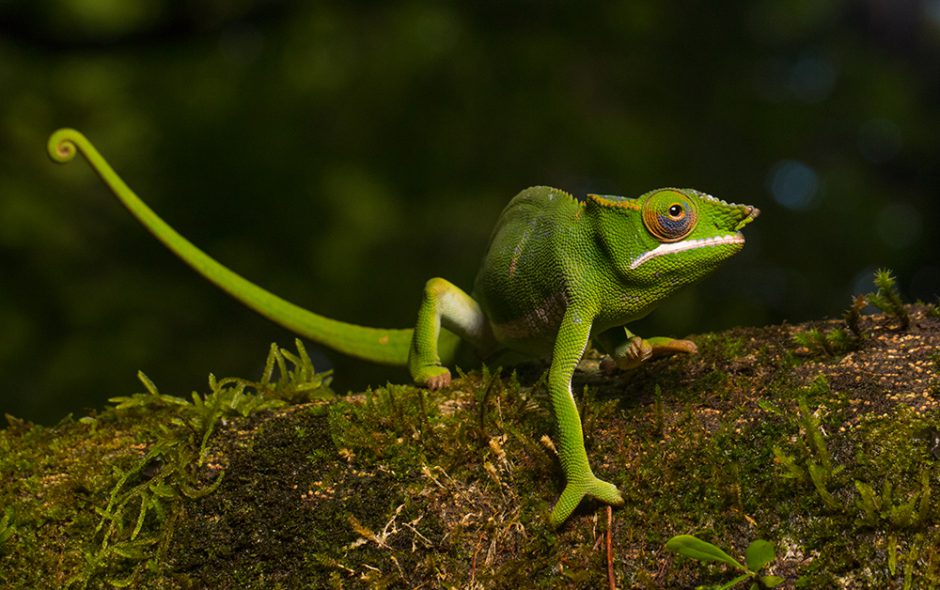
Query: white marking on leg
461,314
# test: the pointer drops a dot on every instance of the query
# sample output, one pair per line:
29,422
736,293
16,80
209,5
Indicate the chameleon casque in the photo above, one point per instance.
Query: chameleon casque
558,273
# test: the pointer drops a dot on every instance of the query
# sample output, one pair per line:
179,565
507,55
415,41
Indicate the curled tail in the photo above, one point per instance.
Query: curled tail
378,345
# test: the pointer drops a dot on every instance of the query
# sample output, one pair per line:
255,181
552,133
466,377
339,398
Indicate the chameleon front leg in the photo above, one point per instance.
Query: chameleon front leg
628,351
580,481
444,305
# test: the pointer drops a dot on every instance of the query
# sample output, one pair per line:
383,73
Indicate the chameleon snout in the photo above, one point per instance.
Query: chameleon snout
750,214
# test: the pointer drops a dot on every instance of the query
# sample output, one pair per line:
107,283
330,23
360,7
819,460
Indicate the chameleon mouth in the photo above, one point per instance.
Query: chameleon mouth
671,248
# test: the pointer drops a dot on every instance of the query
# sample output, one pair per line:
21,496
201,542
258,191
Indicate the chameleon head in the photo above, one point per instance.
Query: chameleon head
689,231
671,236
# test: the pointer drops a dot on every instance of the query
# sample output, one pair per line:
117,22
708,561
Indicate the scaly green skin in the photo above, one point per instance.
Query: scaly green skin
558,273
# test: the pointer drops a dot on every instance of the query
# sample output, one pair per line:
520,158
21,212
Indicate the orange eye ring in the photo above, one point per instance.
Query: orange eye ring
669,219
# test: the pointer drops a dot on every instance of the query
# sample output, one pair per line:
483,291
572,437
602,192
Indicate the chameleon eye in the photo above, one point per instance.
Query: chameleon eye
669,216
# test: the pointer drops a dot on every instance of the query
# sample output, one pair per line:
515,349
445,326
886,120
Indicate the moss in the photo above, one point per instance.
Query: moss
279,484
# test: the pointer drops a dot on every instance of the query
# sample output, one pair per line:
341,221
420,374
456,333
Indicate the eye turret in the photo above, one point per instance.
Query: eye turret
669,215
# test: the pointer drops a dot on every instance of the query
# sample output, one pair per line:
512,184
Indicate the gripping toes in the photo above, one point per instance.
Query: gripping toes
577,490
662,346
434,377
637,351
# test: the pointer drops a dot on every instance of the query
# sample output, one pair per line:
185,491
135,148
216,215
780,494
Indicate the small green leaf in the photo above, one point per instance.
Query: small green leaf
695,548
758,554
147,383
771,581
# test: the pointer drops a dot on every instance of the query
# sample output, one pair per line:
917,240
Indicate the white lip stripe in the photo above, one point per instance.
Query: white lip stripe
671,248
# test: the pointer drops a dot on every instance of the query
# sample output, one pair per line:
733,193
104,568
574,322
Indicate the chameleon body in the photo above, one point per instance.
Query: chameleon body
558,273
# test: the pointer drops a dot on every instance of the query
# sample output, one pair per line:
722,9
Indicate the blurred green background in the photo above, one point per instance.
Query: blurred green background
341,153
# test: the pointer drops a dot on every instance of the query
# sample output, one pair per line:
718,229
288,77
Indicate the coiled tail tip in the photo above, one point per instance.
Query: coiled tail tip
63,144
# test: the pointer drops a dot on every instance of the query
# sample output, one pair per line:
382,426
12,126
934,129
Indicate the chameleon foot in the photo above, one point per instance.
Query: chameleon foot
639,350
436,377
575,491
665,346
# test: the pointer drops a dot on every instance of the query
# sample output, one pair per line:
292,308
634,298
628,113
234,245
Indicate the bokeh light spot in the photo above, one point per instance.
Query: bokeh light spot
793,184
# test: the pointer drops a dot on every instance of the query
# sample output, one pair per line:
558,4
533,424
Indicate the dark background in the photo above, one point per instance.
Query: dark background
341,153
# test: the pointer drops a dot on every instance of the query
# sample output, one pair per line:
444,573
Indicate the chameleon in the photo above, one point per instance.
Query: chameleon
559,273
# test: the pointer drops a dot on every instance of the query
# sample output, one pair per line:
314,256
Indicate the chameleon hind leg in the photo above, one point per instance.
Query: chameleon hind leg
444,305
628,351
580,480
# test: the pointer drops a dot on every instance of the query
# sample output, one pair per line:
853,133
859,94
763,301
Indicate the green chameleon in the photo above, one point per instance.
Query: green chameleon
558,273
